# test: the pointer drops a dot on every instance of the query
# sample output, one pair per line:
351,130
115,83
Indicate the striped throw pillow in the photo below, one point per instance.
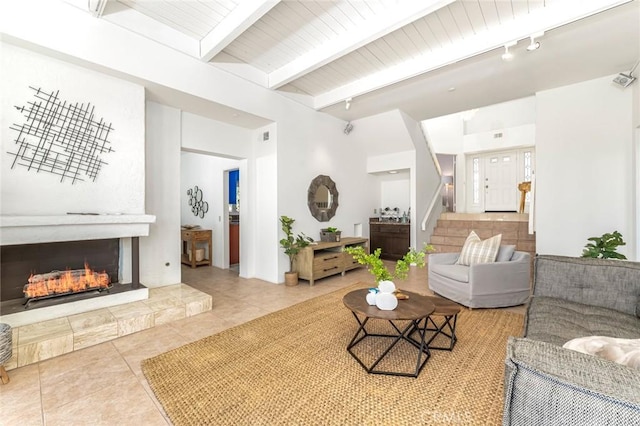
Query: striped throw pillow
477,251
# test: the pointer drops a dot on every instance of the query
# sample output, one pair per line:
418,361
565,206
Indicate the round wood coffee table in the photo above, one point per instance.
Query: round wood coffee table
412,311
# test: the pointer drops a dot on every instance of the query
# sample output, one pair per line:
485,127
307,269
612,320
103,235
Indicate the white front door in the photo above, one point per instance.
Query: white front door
501,182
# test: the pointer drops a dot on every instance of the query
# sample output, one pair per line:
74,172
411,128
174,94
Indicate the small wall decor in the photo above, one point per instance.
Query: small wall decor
198,206
61,138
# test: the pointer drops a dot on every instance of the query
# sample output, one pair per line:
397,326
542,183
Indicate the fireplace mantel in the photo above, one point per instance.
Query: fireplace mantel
72,227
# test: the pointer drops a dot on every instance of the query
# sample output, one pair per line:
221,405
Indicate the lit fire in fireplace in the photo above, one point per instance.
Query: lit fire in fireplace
65,282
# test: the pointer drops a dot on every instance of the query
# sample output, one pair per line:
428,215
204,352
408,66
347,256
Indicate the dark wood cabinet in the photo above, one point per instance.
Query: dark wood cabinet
392,238
234,243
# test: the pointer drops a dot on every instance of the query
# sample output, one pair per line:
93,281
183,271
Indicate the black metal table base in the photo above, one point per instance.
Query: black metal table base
447,328
423,353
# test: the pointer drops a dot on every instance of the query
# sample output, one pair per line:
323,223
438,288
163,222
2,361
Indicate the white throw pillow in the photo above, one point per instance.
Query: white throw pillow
477,251
622,351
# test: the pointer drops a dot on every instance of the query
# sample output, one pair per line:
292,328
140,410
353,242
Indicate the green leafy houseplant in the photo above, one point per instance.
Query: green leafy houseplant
292,245
332,229
605,246
377,268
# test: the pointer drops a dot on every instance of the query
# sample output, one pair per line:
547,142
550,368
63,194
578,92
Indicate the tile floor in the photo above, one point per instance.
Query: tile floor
103,384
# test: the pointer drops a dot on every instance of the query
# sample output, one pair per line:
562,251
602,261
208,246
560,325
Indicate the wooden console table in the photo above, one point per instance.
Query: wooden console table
190,240
327,258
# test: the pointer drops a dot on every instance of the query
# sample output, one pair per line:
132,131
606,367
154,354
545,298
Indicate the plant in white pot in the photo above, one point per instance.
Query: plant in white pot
382,275
378,269
292,246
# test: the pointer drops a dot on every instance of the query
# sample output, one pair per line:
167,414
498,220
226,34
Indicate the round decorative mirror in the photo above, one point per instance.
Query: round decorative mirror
322,198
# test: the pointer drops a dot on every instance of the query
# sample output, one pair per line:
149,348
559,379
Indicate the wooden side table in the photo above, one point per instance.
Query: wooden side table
190,240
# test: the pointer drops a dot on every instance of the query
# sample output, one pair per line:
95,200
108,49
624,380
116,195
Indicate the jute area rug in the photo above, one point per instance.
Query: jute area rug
291,367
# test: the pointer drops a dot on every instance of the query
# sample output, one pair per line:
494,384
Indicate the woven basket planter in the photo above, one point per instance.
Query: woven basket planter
330,237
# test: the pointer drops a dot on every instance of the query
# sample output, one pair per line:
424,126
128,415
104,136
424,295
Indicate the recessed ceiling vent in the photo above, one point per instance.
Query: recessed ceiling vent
497,135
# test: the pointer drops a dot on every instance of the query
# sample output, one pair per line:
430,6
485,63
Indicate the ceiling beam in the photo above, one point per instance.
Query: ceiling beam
234,24
371,29
542,20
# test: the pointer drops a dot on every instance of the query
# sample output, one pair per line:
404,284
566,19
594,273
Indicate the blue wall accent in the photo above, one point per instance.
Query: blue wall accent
234,177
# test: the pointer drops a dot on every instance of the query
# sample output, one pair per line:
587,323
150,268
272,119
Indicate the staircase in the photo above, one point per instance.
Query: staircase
453,228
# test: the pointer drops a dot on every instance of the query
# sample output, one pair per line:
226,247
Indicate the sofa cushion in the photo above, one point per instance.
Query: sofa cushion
476,251
557,321
455,272
505,253
607,283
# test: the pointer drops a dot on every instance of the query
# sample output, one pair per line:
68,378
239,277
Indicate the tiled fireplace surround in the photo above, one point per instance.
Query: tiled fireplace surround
43,333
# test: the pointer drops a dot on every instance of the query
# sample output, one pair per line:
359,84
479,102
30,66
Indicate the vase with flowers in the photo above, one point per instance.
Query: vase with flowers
383,276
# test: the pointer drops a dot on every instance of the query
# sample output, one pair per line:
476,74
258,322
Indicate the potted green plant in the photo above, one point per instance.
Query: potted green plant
330,234
605,246
292,246
378,269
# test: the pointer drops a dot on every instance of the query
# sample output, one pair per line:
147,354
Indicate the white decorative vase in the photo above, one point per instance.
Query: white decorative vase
386,301
371,297
386,287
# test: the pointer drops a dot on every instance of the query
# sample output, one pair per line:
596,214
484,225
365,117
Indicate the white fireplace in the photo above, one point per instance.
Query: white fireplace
17,230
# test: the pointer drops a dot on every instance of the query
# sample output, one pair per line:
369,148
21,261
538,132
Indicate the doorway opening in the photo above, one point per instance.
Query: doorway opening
493,179
210,173
234,219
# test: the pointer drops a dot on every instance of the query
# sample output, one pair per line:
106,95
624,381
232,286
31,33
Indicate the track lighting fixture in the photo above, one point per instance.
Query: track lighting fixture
507,56
348,128
347,103
534,45
625,80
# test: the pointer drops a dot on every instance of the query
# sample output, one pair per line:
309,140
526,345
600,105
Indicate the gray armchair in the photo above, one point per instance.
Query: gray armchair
485,285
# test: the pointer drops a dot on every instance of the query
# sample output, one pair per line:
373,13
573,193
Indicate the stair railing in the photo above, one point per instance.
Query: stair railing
437,196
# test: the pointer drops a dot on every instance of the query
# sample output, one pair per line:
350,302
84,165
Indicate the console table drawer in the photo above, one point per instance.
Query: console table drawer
327,265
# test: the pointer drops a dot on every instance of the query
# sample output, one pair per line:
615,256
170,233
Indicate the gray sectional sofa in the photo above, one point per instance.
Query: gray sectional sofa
546,384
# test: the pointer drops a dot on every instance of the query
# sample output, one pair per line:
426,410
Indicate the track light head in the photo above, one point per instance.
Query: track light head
624,80
534,45
508,56
347,103
348,128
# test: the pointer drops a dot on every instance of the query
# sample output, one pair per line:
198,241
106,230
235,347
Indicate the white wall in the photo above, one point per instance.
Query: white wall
514,113
424,184
584,173
445,133
119,186
501,139
395,191
314,144
160,251
200,134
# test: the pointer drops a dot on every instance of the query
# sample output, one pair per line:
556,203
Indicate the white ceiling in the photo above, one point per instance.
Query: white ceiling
426,57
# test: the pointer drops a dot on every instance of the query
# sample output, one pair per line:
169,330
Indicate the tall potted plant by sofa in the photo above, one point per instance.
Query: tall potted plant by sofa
292,246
